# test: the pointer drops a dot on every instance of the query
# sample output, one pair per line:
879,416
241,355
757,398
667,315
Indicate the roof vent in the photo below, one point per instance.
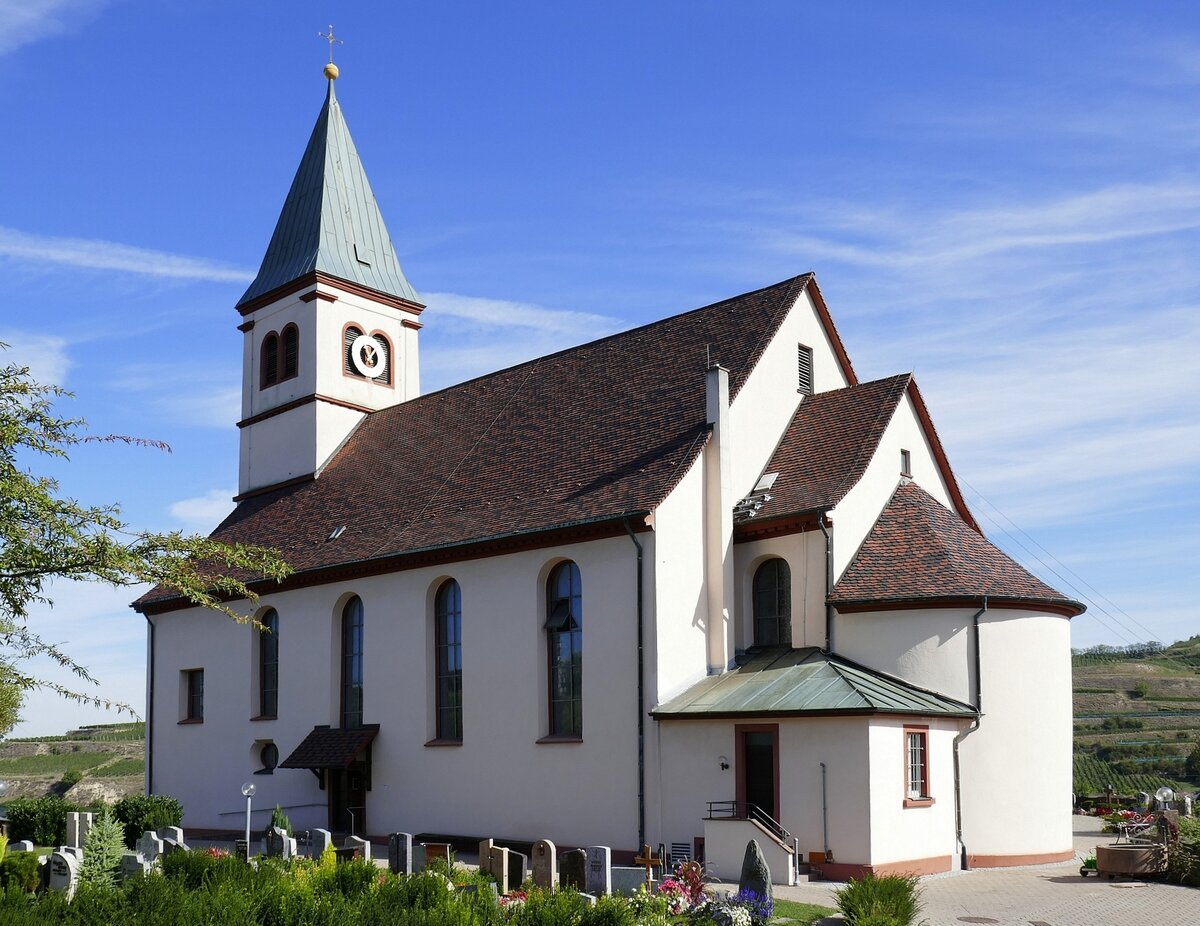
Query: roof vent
337,532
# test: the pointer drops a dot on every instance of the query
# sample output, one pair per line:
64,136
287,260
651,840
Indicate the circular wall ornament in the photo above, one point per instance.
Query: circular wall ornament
368,355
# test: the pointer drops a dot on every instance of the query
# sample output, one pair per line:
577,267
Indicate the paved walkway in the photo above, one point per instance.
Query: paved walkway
1040,895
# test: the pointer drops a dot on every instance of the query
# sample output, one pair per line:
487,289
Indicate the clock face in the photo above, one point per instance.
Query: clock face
369,355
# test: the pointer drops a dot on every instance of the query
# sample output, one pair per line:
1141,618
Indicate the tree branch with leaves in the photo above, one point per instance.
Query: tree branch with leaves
45,536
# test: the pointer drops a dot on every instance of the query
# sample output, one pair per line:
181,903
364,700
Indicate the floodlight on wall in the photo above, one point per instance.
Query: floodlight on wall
724,760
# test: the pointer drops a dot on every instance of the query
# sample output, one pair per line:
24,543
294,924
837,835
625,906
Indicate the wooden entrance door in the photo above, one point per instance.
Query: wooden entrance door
758,767
348,799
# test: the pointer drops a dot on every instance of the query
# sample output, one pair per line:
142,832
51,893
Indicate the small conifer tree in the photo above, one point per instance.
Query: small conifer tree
103,850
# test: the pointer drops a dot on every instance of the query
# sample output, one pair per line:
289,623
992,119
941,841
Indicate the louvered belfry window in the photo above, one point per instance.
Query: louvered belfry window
352,334
270,360
804,381
291,351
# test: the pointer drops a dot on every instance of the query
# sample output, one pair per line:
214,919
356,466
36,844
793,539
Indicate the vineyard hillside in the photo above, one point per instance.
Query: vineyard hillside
1137,718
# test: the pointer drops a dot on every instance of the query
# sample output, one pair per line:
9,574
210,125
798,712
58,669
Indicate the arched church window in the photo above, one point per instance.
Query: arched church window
291,351
352,663
447,613
270,360
773,603
268,665
564,642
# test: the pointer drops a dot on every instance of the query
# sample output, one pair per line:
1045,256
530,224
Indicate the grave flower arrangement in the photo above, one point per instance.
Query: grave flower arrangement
684,889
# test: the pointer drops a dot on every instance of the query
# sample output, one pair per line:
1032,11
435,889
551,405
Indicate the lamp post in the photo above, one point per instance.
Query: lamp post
248,790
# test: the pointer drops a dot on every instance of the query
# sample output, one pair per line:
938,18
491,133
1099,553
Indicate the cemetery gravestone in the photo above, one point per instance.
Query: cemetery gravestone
400,853
132,864
23,846
756,874
363,847
545,864
437,850
589,899
72,850
273,842
170,846
498,867
64,873
172,832
149,846
574,869
517,868
598,877
321,840
78,827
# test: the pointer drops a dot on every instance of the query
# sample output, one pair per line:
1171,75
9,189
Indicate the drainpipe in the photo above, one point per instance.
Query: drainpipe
958,834
828,581
718,521
641,696
150,708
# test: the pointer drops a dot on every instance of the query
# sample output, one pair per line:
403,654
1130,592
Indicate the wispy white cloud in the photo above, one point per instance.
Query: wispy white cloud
45,355
23,22
195,395
97,254
202,513
471,335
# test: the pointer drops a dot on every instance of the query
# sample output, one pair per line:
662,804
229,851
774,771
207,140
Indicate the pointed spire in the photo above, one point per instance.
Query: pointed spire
330,221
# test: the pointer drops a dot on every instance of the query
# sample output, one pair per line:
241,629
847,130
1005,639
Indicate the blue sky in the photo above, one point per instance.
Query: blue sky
1003,198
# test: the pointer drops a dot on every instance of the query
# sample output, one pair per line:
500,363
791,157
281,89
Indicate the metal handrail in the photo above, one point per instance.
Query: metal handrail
743,810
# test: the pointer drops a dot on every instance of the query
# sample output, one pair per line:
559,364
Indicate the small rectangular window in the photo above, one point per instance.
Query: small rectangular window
905,463
804,356
916,766
193,708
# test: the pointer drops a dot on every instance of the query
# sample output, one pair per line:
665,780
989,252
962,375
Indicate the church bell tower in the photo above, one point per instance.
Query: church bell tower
330,323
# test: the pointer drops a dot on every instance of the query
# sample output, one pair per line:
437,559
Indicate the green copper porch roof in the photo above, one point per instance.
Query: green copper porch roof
330,221
788,682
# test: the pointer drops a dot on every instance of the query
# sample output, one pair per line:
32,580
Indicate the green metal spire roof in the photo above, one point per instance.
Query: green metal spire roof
798,682
330,221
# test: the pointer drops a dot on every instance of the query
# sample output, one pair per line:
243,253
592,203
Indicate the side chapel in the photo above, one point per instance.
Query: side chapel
683,585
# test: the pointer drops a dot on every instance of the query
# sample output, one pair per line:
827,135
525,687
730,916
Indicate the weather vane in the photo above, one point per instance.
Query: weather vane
331,69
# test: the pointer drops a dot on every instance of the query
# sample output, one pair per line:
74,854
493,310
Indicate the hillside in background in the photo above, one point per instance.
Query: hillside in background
103,762
1137,717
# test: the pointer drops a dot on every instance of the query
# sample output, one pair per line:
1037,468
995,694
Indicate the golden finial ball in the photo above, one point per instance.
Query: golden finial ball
331,71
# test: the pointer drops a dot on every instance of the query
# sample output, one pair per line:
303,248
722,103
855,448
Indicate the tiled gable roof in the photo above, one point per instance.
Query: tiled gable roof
828,445
584,435
918,551
331,747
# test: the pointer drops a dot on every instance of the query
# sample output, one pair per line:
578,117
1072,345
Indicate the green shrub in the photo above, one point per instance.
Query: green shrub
139,813
547,908
1141,689
19,870
608,911
71,777
890,900
280,819
42,819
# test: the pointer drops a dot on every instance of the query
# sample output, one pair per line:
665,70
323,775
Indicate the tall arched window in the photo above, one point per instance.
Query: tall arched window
268,665
447,613
291,351
352,663
773,603
564,643
270,360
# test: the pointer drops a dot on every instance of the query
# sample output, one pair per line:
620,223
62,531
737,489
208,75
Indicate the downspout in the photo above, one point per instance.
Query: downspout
828,581
958,833
641,720
150,709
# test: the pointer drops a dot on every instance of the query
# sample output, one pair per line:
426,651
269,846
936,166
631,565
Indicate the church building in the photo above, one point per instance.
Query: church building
684,585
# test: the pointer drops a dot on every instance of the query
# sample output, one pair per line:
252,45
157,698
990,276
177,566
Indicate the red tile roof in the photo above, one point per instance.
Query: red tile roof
828,445
331,747
920,552
582,436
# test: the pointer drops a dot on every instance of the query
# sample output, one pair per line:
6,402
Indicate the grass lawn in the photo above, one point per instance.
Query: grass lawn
123,767
800,913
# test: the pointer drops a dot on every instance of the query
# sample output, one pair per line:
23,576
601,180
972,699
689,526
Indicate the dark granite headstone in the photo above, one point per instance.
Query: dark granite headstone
518,869
400,853
573,870
756,875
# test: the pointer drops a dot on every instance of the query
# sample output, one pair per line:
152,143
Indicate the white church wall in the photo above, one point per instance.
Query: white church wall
484,784
293,444
805,556
923,835
856,514
273,318
768,398
680,608
930,648
1016,768
370,317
